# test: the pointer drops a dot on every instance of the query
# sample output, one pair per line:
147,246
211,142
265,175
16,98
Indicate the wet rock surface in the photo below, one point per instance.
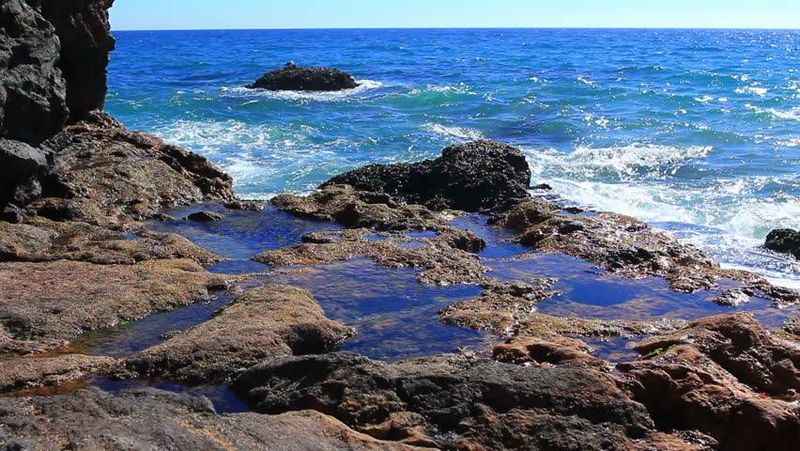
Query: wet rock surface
295,78
785,241
81,296
477,176
452,402
153,419
20,373
261,323
724,376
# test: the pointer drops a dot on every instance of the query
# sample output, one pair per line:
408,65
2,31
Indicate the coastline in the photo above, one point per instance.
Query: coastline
98,244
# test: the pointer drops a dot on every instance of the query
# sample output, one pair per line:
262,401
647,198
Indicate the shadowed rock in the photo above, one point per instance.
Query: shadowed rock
455,403
295,78
152,419
785,241
21,170
477,176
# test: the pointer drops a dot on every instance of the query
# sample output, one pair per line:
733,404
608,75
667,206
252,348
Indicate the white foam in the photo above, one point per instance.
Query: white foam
461,88
787,115
757,90
334,96
728,218
460,133
586,80
623,162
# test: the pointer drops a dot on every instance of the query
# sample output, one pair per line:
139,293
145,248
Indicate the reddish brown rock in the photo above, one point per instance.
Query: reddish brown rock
19,373
724,376
272,321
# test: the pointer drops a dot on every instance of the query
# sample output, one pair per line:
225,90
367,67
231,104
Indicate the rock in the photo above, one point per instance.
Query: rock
19,373
79,297
84,32
477,176
295,78
542,187
107,175
42,240
152,419
733,298
784,241
555,351
33,90
12,214
453,402
724,376
205,216
500,307
438,260
21,166
262,323
357,209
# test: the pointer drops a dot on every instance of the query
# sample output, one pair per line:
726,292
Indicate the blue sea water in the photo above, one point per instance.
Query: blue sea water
694,131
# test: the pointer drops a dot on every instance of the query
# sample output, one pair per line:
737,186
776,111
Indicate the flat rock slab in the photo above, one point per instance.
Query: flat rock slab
266,322
58,301
19,373
151,419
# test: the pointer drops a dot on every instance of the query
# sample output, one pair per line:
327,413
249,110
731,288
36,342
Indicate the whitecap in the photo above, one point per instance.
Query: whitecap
460,133
756,90
461,88
586,80
334,96
788,115
704,99
623,162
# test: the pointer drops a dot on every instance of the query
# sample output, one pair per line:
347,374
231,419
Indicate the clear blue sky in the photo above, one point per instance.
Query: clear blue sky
215,14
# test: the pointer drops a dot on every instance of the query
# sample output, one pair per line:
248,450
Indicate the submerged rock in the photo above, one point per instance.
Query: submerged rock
477,176
785,241
295,78
205,216
272,321
153,419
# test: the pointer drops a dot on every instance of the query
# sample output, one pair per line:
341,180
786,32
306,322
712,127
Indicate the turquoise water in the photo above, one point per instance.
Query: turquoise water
697,132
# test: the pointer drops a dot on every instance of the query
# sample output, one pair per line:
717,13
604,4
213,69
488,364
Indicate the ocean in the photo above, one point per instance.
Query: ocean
696,132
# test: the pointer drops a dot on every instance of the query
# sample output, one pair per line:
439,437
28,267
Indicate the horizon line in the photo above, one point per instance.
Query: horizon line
457,28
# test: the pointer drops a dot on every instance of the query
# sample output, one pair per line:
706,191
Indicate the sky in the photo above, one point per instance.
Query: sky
238,14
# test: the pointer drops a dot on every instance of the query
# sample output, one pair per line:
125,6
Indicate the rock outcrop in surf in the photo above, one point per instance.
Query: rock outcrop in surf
295,78
477,176
784,241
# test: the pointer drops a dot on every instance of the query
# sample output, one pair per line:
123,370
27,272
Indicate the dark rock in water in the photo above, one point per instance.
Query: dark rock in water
33,91
205,216
295,78
542,187
785,241
20,167
477,176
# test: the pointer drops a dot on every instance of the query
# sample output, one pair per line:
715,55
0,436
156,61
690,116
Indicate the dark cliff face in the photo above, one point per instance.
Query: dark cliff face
53,59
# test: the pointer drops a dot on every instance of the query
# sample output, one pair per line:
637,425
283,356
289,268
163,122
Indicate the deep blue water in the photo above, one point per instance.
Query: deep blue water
697,132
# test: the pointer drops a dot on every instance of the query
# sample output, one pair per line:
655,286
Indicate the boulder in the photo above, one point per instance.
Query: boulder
477,176
33,90
784,241
205,216
21,167
295,78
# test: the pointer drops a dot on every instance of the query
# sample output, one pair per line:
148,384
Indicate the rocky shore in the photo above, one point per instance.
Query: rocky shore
83,252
